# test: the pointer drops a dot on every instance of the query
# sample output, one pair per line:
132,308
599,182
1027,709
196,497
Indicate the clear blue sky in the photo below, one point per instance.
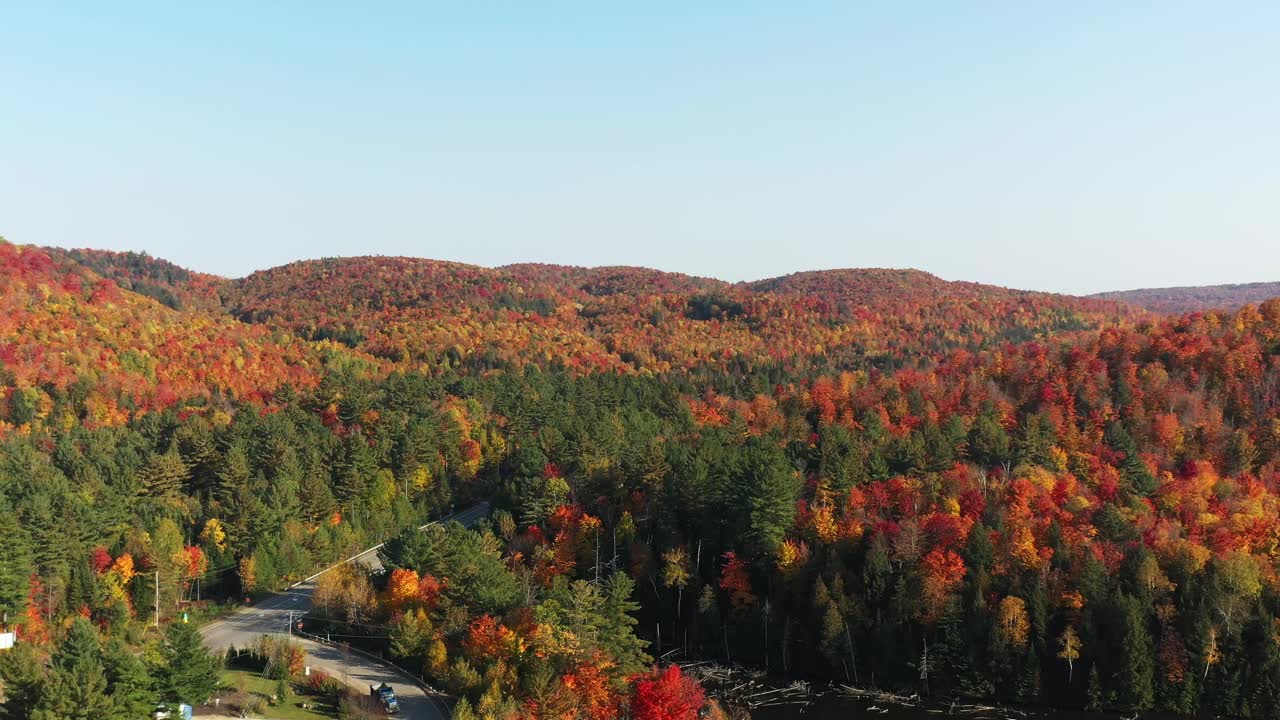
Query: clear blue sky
1072,146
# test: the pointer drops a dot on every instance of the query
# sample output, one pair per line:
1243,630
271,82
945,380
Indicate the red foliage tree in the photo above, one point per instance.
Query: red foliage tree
100,560
667,695
735,580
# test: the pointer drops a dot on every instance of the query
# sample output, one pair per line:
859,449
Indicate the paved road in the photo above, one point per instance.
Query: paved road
245,626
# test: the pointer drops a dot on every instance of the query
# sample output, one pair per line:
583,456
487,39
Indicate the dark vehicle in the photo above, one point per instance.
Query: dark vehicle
386,696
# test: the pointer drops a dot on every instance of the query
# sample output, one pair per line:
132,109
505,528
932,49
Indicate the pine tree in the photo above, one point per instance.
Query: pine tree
282,500
315,496
77,685
188,673
1137,475
22,682
989,441
233,475
15,561
128,682
770,491
1036,440
164,476
831,635
353,469
230,496
618,632
1097,698
1136,676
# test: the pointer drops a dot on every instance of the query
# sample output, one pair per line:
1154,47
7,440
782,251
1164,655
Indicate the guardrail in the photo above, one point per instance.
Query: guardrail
432,694
484,506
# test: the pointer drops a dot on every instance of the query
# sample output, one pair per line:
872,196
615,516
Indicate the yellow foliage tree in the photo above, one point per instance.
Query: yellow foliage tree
1069,649
248,570
213,535
1012,624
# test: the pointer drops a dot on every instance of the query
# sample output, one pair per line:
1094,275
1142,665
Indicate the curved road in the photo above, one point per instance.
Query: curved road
271,616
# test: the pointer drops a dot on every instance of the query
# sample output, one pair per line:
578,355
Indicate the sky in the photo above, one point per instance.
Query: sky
1074,147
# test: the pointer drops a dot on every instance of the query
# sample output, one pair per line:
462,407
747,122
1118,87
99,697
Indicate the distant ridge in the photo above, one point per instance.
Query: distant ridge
1177,300
418,312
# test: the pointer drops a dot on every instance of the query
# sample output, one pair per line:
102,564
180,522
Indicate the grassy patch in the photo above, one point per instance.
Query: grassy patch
244,687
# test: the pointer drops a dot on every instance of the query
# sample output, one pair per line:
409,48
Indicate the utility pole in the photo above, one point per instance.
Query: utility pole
157,599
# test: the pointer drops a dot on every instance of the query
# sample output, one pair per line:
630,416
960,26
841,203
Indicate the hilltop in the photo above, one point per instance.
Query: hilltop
635,318
143,332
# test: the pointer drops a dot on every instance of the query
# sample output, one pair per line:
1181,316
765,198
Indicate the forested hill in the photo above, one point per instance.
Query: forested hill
76,342
1178,300
426,313
634,319
868,476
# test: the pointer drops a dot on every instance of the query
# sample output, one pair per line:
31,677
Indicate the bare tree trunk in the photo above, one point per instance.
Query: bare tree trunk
766,634
786,642
852,659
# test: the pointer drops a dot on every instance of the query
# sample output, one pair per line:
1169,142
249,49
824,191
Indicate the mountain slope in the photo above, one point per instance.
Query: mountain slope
70,335
159,279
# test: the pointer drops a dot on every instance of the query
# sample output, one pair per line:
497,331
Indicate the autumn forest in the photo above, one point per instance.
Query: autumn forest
876,478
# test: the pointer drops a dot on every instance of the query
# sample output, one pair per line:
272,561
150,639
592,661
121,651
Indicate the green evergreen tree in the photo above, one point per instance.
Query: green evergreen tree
910,454
772,487
1136,663
187,673
411,635
1036,440
15,561
77,685
164,476
618,628
988,440
22,682
832,639
283,503
1264,687
128,683
315,496
1096,694
232,495
353,470
1241,453
283,690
